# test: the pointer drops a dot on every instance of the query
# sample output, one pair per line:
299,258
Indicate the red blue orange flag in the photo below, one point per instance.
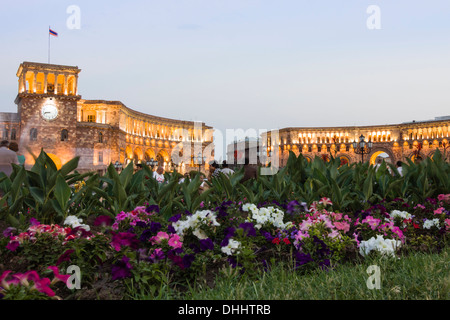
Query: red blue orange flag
53,33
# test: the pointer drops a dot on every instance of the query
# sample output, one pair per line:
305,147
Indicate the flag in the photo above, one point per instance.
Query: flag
53,33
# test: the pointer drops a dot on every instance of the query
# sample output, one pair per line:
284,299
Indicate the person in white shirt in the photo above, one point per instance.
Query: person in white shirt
399,168
159,174
7,157
225,170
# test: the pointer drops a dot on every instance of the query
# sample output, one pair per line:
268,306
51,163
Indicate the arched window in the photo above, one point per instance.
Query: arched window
13,134
33,134
64,135
100,137
5,134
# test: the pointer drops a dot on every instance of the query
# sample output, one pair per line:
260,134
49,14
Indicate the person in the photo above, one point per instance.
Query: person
159,174
399,168
7,157
214,170
379,160
225,169
15,147
185,176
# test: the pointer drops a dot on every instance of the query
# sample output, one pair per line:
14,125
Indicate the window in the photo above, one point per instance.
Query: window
64,135
91,118
100,137
5,134
33,134
100,157
13,134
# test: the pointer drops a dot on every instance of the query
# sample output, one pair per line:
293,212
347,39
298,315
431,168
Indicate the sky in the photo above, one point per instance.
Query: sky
243,64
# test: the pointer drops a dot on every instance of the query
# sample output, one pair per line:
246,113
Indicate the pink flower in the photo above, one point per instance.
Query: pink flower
3,282
175,242
372,222
444,197
160,236
325,201
344,226
13,245
42,285
439,210
60,277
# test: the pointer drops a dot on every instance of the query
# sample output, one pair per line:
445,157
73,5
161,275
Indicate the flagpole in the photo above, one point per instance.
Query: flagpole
48,44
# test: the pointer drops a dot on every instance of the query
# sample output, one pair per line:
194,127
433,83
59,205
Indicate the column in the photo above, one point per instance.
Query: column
45,82
56,84
65,89
24,81
76,85
34,81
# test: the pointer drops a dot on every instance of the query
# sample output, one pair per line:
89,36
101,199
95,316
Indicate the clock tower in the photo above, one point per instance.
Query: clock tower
47,108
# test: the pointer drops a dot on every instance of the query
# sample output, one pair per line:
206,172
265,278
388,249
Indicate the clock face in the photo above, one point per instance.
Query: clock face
49,112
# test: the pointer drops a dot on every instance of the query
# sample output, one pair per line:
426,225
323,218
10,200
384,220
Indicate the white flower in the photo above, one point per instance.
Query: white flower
194,222
430,223
74,222
232,247
384,246
402,214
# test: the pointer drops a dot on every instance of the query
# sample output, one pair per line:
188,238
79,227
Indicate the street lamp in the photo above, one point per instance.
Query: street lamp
199,160
361,147
118,165
151,163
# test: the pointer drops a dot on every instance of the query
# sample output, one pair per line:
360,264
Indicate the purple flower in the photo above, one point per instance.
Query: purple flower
152,208
145,235
155,227
267,235
291,206
124,239
121,269
175,218
187,260
34,222
302,259
229,233
177,260
65,256
206,244
8,232
103,221
248,228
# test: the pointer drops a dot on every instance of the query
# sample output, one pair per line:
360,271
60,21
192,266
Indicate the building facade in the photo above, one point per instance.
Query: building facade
51,115
394,142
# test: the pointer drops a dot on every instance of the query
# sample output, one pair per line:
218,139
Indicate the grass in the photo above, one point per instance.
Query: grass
417,276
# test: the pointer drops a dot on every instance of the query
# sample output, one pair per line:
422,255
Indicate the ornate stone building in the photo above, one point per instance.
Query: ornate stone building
394,142
52,115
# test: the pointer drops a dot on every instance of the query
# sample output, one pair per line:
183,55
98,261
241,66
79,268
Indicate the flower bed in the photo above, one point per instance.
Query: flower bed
141,251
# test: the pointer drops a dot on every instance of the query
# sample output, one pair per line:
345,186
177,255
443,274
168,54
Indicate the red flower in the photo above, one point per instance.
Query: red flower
286,241
276,241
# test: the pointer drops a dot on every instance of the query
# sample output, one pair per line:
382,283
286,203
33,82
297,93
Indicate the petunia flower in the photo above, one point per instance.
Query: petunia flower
174,241
43,285
58,276
121,269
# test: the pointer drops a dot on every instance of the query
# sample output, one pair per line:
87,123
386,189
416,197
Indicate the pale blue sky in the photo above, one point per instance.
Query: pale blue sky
244,63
